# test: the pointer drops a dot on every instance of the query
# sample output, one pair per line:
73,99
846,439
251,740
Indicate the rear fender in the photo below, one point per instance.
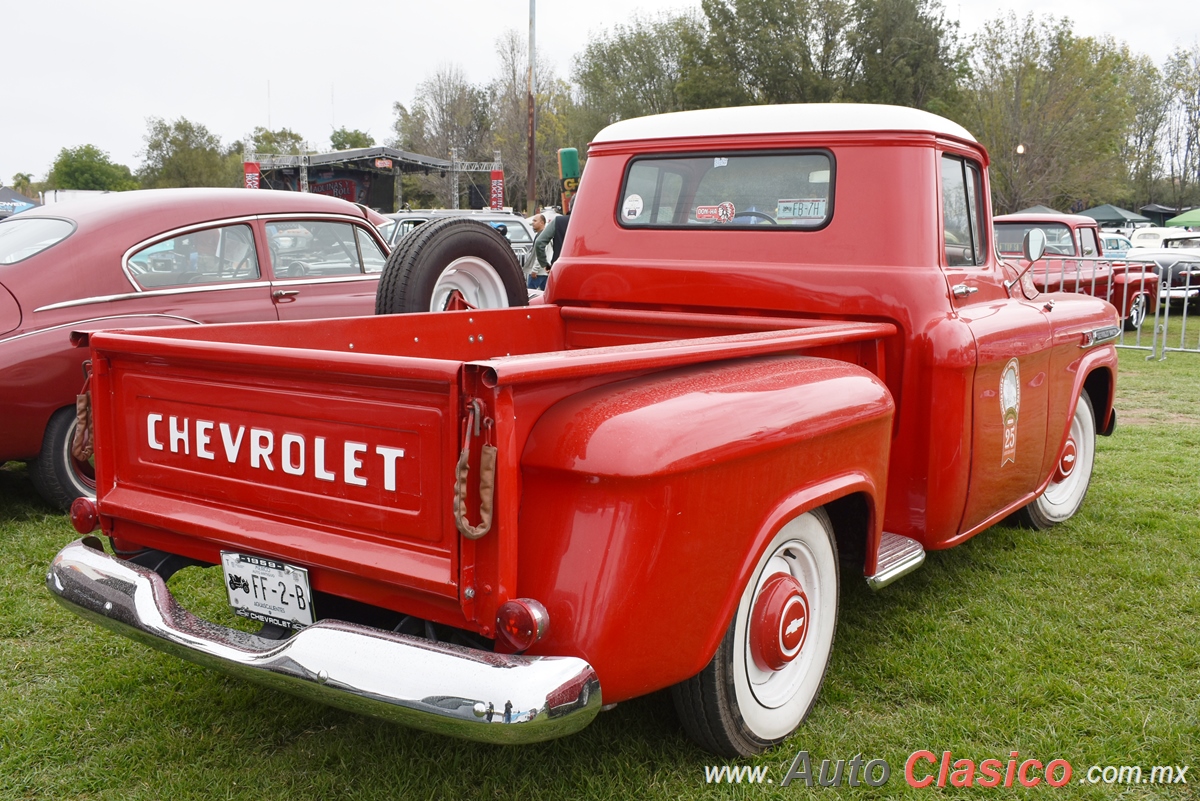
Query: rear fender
647,503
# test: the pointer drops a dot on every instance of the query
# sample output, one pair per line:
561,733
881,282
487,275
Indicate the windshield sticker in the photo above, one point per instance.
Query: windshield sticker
800,209
633,207
1010,407
720,161
722,212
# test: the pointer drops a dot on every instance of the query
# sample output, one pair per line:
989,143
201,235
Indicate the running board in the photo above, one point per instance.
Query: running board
898,556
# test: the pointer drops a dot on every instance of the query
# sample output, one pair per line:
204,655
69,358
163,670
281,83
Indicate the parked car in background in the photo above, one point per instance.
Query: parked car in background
158,257
1115,245
1173,240
514,227
1150,236
1076,261
1176,260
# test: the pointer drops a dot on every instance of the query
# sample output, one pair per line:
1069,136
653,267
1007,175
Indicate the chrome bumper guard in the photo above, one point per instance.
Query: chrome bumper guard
438,687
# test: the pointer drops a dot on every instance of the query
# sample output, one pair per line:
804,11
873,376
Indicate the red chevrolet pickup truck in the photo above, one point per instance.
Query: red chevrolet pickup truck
492,523
1075,261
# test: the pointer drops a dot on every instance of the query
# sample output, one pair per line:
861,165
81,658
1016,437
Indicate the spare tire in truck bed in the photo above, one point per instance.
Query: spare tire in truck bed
453,263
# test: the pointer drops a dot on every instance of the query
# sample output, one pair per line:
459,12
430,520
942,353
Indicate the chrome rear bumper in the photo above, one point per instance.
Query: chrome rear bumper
438,687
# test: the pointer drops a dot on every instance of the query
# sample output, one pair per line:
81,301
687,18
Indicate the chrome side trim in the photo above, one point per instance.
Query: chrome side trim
152,293
74,324
327,279
898,556
438,687
1099,336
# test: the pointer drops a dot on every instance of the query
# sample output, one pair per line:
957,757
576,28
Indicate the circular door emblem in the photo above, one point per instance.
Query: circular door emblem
779,624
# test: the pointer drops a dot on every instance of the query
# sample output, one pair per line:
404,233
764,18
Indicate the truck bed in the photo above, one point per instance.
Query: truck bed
332,444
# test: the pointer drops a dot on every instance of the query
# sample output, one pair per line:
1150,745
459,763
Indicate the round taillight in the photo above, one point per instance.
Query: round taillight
84,516
520,623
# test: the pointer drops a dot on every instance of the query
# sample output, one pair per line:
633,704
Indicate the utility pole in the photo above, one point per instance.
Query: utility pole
531,171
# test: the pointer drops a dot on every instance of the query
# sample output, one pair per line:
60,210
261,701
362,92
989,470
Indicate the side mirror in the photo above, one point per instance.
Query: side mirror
1034,244
1033,247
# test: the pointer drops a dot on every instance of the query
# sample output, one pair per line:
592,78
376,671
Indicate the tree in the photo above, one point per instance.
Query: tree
184,153
901,52
815,51
1050,108
1183,124
22,183
634,69
88,167
1149,101
559,124
282,142
342,139
767,51
448,112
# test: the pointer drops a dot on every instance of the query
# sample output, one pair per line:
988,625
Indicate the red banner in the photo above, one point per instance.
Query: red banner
497,189
345,188
253,174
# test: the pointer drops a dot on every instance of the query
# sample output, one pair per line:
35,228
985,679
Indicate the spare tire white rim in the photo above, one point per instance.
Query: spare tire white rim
475,279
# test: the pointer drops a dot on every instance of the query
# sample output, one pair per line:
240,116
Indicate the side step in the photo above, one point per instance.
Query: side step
898,556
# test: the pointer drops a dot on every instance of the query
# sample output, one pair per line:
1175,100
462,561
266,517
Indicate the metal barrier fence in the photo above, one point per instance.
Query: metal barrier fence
1154,297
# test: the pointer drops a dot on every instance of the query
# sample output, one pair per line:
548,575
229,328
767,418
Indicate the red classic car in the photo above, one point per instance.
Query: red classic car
158,257
1075,262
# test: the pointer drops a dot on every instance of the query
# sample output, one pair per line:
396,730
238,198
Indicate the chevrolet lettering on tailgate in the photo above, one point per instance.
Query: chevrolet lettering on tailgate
265,449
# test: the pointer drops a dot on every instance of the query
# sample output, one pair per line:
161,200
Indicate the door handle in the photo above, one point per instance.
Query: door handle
962,290
280,294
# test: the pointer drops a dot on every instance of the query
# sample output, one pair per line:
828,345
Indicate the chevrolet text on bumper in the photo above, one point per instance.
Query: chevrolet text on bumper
438,687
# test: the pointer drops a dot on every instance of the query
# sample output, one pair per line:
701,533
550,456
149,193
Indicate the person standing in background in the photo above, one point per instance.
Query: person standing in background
551,233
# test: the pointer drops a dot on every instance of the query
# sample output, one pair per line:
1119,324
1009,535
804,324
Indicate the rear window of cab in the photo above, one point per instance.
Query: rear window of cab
790,190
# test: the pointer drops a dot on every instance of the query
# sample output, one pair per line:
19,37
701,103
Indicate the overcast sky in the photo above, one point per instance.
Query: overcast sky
93,71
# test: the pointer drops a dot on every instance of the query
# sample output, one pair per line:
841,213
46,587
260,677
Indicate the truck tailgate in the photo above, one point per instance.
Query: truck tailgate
337,461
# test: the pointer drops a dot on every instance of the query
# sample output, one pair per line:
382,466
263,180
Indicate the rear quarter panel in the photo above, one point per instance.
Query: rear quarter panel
645,504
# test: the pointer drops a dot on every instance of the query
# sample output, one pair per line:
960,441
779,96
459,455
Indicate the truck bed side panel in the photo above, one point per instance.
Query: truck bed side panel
664,491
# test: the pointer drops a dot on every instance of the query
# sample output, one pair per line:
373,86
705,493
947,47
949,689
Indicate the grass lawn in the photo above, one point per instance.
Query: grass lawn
1080,643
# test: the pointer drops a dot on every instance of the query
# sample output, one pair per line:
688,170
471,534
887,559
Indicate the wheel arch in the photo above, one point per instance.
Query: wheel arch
1096,376
854,505
1101,386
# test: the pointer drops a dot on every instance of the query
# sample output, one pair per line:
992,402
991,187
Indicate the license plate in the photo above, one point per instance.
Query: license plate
268,591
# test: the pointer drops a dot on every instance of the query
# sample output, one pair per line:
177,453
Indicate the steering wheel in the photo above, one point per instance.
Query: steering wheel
297,269
762,215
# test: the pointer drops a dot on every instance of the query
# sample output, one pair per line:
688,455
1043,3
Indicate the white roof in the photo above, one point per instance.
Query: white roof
795,118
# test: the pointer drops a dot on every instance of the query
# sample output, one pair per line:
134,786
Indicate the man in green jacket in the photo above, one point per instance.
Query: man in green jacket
548,233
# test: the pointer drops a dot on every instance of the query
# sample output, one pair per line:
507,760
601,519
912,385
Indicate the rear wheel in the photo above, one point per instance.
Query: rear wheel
768,669
451,264
1072,474
58,476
